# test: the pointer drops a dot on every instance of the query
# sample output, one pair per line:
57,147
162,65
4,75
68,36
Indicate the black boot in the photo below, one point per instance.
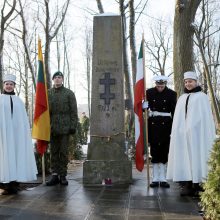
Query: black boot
164,184
54,180
154,184
197,189
186,189
10,188
63,181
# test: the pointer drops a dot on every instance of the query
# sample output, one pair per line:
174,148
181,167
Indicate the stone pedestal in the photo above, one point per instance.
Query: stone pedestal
106,156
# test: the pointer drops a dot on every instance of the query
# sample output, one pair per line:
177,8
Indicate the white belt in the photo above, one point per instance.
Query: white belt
155,113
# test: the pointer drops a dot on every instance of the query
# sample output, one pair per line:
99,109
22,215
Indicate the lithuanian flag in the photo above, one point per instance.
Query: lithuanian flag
41,124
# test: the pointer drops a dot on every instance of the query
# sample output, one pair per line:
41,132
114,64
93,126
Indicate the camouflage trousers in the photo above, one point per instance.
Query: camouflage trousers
85,136
59,153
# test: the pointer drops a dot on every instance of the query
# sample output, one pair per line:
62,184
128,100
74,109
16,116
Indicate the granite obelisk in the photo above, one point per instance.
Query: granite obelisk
106,158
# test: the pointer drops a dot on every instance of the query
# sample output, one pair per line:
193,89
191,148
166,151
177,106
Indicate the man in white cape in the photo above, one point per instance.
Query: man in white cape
192,137
17,161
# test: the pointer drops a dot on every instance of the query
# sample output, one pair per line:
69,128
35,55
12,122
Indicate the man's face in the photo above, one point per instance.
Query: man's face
58,81
160,86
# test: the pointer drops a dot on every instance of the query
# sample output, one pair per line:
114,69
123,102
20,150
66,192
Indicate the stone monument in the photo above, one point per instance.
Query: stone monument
106,158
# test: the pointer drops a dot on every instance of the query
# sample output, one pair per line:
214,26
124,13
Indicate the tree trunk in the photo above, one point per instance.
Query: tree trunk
183,59
100,7
133,58
132,40
26,47
208,78
47,45
2,30
128,86
88,66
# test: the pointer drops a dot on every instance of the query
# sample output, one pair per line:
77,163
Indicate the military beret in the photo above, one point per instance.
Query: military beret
58,73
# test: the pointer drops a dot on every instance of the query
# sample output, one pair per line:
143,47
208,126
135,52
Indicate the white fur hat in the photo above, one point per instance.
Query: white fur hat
190,75
9,77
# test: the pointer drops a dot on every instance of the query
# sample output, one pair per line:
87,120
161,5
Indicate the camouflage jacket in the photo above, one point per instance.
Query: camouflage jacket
85,123
63,111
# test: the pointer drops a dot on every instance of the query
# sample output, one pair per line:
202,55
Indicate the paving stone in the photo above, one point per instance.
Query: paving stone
106,210
97,202
144,217
112,203
106,217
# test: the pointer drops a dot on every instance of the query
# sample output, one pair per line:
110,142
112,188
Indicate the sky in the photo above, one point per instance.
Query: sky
156,9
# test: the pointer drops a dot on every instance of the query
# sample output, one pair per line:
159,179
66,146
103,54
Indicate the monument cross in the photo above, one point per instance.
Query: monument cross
107,82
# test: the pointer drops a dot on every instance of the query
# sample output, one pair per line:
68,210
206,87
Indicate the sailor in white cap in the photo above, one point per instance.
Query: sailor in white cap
193,133
161,101
17,159
161,79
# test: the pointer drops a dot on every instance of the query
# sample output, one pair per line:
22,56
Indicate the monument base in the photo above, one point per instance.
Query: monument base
95,171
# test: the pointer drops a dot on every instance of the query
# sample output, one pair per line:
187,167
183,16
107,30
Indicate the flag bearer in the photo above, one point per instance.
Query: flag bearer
63,118
161,102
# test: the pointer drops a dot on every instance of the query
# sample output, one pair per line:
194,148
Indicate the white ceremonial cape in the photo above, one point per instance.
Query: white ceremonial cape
192,138
17,161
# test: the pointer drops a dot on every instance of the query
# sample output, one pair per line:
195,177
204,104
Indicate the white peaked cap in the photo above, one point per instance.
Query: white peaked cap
190,75
9,77
161,78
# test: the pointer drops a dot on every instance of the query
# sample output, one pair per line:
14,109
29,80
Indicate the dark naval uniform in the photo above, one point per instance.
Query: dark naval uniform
162,106
64,118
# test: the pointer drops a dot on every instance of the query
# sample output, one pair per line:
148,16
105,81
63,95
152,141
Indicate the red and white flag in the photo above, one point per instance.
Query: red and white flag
139,94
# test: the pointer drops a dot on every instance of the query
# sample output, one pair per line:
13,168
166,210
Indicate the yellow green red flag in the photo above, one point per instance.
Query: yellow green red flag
41,124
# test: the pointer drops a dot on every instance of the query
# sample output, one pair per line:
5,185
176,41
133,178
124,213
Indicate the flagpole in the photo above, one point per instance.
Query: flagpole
146,117
43,169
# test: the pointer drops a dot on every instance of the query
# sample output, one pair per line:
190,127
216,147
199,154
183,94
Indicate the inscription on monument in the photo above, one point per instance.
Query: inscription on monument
107,82
103,108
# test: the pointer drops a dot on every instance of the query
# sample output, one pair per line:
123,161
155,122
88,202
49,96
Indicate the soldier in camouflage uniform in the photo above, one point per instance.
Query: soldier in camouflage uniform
85,127
64,117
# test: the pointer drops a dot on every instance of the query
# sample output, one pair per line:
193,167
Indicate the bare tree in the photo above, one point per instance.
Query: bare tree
51,29
183,59
27,45
88,64
203,34
17,63
4,23
128,79
128,86
100,7
132,40
158,48
58,52
66,65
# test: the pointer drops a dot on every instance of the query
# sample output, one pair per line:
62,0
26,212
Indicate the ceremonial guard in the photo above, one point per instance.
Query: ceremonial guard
161,102
17,161
63,119
192,137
